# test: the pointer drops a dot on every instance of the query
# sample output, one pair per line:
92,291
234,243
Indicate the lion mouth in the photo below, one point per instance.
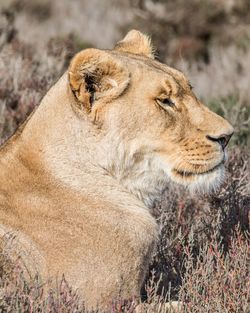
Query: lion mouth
190,174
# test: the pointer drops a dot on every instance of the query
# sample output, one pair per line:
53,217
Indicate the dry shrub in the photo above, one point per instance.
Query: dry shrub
39,10
19,294
187,29
217,282
223,83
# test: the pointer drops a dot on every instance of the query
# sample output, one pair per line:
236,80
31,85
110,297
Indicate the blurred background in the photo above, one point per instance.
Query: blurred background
203,239
208,40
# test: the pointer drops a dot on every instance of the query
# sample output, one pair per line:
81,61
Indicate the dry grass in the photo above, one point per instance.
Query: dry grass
215,281
202,257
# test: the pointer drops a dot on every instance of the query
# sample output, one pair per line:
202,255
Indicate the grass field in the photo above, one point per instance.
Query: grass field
203,257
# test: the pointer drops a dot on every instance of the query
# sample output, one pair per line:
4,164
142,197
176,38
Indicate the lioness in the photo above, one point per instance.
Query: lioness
79,177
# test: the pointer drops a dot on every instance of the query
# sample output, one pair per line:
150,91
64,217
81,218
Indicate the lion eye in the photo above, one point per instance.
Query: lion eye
166,102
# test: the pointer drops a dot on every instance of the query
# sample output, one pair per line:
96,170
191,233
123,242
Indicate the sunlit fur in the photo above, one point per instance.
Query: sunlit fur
146,145
146,173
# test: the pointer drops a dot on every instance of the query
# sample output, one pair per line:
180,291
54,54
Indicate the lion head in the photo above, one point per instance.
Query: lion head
150,126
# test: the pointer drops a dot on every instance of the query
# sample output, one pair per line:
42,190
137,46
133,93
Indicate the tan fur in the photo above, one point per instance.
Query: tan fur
79,178
136,43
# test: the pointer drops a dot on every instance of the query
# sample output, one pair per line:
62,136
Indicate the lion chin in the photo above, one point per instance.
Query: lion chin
205,182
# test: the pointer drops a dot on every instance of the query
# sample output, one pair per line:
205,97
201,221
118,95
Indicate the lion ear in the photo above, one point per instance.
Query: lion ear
136,43
94,75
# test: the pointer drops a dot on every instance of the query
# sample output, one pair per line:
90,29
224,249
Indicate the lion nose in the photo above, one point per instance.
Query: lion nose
222,139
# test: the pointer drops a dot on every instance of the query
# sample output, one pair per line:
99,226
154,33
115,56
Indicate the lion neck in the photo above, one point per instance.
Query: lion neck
58,142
